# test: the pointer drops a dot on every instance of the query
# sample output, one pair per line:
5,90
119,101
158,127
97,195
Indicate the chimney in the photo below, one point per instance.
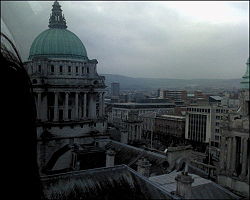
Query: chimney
124,136
143,167
110,158
184,182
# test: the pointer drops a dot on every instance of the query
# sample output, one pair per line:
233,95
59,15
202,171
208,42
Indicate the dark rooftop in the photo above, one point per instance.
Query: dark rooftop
129,155
119,182
201,188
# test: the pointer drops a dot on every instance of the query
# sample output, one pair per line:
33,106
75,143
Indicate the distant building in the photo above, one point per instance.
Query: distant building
151,100
197,97
120,111
215,99
174,95
203,124
115,89
230,102
170,126
235,145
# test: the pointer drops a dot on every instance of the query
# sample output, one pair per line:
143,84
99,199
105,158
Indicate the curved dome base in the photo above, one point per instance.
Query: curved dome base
58,43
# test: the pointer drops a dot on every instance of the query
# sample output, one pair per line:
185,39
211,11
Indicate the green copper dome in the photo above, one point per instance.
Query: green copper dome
57,41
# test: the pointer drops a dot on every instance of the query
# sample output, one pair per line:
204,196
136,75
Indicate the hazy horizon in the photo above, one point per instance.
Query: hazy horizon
174,40
171,78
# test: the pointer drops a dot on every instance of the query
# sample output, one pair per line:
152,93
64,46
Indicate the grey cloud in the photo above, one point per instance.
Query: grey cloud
146,39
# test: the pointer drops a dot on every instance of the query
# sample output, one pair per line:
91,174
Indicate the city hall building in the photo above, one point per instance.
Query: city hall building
68,91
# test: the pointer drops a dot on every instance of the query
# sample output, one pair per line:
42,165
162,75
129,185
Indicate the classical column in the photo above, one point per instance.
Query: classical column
103,104
100,105
39,108
44,114
140,132
56,107
92,106
244,158
76,106
233,155
80,106
222,153
229,146
66,106
85,105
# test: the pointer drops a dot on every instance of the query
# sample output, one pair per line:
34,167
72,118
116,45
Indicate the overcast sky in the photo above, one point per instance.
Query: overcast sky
184,40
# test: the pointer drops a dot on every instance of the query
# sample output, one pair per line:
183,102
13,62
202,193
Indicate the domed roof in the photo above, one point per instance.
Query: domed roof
57,41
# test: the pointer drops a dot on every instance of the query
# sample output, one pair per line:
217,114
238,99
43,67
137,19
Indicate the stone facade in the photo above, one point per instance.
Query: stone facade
235,157
68,91
170,125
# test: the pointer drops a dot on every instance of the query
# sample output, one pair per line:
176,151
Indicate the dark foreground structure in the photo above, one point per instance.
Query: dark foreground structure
119,182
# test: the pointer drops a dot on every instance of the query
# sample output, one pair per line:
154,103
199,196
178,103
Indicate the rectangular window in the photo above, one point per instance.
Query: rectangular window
39,68
61,69
76,69
52,68
69,69
69,114
82,70
87,70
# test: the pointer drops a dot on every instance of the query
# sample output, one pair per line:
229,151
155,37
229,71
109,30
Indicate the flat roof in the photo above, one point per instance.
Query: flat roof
173,116
143,105
201,188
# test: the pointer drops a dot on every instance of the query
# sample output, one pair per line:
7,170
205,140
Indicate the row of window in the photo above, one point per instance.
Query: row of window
219,117
221,111
69,69
217,137
217,130
198,110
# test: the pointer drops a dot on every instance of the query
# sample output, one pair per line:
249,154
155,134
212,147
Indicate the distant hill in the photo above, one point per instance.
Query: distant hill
154,83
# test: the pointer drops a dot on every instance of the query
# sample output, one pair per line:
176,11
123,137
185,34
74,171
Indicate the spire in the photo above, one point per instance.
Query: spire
56,19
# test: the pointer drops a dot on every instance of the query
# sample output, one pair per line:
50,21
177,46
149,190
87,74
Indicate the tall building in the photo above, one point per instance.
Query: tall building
203,124
115,89
68,91
235,145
